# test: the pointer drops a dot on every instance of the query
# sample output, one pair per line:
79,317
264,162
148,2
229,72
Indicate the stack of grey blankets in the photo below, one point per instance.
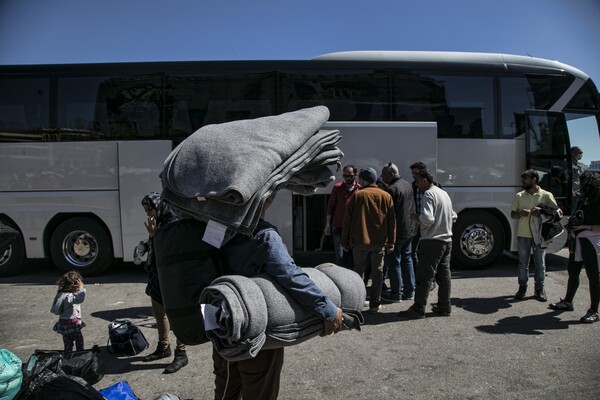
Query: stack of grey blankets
225,172
257,313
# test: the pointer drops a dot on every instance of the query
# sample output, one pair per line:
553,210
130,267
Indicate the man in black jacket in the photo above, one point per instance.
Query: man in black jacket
399,263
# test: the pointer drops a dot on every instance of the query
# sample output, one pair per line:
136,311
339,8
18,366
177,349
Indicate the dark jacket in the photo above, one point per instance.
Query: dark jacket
404,205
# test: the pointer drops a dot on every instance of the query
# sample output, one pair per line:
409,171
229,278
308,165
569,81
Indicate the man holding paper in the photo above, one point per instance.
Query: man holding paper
265,252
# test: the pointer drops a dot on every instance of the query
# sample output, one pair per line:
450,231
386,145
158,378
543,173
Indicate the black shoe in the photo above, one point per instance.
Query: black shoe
160,352
444,312
389,298
562,305
521,293
590,317
178,362
411,313
540,295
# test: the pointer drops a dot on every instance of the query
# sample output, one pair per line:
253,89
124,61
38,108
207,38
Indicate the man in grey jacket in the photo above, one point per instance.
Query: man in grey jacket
435,247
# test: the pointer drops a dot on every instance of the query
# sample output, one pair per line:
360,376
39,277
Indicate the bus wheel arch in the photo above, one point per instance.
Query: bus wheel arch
12,259
479,238
81,243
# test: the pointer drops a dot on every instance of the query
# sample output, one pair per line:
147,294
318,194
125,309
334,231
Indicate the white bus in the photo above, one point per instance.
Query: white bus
80,145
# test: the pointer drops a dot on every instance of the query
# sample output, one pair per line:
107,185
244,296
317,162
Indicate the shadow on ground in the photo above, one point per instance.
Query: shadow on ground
528,325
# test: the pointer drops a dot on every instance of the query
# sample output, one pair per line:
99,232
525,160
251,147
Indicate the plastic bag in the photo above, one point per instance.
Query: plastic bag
119,391
83,364
11,375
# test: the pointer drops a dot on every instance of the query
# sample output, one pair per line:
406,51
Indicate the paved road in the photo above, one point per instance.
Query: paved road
492,347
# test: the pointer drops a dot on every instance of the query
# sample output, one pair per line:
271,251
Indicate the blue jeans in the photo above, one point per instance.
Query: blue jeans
525,247
400,269
336,238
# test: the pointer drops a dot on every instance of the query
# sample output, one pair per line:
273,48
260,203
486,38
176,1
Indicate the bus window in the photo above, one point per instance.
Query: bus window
193,101
24,108
76,108
583,132
531,92
130,107
462,106
350,96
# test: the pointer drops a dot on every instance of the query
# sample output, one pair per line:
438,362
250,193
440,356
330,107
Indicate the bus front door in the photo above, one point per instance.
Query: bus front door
547,152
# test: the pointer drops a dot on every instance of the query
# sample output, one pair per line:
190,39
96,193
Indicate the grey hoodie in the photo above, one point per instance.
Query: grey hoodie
67,305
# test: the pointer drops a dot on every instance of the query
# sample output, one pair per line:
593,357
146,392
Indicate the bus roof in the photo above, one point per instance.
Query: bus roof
440,60
451,57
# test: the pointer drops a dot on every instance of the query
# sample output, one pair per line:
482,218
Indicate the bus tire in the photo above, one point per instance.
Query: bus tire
478,240
12,259
81,244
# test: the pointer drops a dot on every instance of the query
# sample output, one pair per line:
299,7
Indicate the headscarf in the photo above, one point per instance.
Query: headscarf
163,212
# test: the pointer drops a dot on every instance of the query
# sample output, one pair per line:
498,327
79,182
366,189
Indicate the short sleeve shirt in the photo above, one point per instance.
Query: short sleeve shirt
525,200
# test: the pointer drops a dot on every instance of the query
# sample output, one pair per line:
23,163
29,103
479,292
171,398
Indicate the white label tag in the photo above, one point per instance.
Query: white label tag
214,234
209,313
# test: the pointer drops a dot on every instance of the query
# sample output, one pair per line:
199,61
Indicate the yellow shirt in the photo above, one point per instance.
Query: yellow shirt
524,200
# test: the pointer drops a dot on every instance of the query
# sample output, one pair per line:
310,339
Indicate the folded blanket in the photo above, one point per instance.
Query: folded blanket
202,165
225,172
257,313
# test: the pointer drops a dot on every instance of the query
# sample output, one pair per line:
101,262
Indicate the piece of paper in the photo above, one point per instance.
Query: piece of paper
209,313
214,234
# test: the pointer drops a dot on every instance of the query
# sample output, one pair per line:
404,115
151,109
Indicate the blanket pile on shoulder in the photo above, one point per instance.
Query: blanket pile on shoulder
201,179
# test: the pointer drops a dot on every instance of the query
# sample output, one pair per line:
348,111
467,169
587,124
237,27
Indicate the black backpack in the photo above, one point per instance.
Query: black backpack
125,338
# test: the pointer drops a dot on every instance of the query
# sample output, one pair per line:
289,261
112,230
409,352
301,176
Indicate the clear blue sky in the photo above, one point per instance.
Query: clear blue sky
81,31
78,31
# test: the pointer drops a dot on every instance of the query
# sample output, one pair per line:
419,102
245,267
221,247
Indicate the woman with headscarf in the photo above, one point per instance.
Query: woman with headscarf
159,214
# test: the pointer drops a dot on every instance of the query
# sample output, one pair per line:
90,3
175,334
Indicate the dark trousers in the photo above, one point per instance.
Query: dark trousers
590,263
434,262
255,378
73,337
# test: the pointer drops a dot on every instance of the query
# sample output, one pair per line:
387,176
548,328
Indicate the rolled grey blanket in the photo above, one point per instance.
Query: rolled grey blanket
265,316
242,318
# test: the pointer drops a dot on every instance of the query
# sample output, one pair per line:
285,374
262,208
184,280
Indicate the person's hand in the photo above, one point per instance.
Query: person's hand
151,226
389,248
525,212
334,326
327,230
79,283
414,217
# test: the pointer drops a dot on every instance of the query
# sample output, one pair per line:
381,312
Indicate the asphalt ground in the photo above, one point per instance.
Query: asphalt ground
491,347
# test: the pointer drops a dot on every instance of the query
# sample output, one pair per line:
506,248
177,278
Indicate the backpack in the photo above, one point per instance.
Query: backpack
125,338
10,374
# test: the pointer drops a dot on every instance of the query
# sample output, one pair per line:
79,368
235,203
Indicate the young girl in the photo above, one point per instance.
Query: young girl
66,305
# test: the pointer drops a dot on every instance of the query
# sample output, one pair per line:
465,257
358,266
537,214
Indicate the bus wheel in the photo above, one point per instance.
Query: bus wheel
11,260
81,244
478,240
